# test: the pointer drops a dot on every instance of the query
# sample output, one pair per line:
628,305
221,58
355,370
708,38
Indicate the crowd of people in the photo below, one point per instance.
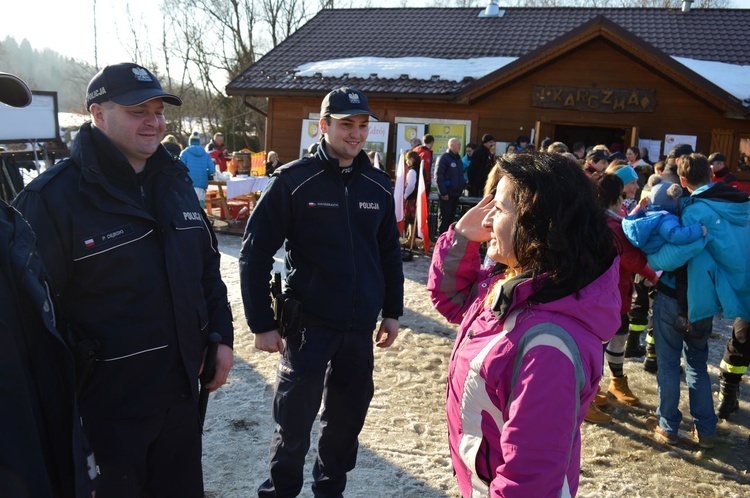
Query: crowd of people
116,319
677,227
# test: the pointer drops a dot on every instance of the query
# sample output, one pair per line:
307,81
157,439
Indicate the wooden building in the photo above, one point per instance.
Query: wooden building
572,74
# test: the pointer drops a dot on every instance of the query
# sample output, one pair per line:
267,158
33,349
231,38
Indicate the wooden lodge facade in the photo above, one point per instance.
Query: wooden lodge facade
591,75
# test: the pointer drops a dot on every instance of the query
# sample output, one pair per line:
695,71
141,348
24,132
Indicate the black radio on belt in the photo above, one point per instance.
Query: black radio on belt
287,311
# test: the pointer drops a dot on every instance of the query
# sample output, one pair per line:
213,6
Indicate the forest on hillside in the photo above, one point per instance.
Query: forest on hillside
47,70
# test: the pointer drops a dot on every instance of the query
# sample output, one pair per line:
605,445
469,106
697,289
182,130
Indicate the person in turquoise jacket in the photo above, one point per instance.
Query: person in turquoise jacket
718,278
201,166
656,222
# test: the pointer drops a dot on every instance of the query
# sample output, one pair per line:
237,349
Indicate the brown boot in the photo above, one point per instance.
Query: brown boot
596,416
618,387
600,399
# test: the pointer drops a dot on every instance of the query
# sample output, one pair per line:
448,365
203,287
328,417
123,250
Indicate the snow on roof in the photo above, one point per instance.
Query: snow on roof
417,68
732,78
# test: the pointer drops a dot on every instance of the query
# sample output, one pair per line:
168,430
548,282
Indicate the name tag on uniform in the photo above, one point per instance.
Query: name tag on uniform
108,237
322,205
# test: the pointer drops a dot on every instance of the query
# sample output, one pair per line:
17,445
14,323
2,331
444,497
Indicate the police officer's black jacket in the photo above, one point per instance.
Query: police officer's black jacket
343,256
42,448
135,264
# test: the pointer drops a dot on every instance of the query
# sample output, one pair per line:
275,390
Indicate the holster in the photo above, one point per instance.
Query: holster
288,314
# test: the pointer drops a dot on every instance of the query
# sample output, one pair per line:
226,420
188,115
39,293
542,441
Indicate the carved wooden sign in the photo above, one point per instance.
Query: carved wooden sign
593,99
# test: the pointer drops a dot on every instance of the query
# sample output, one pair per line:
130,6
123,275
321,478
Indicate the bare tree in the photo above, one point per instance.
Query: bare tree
206,43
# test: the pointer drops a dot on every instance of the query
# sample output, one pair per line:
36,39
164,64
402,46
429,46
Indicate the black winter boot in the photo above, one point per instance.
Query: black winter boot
728,395
633,348
649,364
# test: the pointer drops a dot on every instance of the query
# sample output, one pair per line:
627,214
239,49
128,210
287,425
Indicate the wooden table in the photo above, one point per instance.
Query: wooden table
236,188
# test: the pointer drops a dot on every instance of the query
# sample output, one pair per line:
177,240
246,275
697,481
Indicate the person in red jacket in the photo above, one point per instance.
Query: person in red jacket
218,151
632,260
721,173
425,154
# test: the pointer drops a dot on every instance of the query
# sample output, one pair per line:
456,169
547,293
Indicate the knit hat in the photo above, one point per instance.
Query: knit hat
627,174
717,156
195,138
663,194
487,138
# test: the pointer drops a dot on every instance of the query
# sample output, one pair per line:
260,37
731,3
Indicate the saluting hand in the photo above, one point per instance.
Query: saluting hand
470,224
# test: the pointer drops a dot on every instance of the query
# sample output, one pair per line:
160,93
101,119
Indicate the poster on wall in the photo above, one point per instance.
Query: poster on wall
310,135
653,147
405,132
671,140
444,132
377,138
442,129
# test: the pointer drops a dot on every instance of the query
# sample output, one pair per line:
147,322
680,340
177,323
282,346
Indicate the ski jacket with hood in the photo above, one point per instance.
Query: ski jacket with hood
718,266
199,164
649,230
521,373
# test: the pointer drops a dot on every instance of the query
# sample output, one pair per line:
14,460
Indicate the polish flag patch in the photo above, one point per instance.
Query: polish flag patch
88,242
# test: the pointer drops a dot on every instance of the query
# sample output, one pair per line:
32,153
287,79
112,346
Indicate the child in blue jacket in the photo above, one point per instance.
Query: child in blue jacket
650,228
655,223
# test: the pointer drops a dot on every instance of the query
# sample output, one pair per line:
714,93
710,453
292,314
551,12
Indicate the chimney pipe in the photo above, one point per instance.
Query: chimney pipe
686,6
492,10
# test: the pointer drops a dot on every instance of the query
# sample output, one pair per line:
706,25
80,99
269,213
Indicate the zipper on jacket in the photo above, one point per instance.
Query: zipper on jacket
351,244
469,336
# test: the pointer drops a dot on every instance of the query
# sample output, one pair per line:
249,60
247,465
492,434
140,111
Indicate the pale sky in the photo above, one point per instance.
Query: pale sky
67,26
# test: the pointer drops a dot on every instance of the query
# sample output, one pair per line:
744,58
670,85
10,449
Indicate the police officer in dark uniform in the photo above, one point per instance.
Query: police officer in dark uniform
43,452
134,263
334,213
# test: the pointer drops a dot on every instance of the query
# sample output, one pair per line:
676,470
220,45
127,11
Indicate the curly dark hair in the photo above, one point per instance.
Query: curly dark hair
560,232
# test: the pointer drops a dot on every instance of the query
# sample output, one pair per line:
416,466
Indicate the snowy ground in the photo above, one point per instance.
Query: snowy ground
403,451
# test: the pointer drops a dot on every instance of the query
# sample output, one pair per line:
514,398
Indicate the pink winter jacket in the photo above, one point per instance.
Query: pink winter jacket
518,385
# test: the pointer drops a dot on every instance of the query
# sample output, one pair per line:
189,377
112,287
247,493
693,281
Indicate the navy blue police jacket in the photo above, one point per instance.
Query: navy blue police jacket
43,451
342,249
134,263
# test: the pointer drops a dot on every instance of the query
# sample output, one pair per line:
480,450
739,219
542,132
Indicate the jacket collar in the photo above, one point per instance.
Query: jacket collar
102,162
360,162
508,295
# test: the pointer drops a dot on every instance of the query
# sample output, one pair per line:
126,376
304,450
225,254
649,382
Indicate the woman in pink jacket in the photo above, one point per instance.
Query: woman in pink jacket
528,355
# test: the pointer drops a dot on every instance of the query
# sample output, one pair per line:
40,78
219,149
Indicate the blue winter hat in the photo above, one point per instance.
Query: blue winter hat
663,194
195,139
627,174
